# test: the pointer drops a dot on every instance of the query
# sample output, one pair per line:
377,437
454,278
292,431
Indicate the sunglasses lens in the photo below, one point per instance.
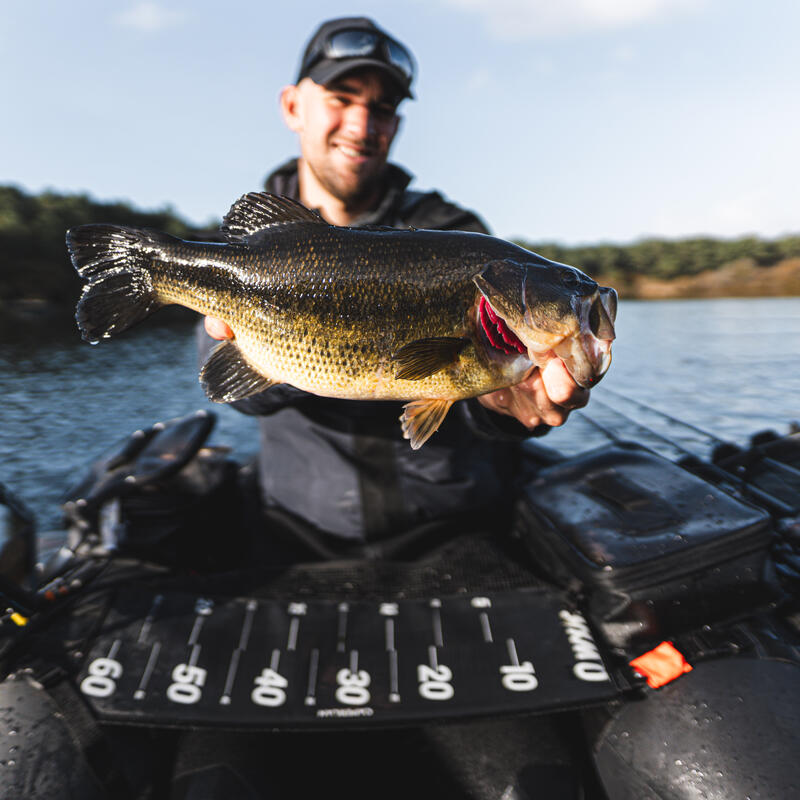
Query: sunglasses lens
355,43
347,44
400,58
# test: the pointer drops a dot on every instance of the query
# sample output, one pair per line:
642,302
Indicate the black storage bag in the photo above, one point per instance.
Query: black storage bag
655,549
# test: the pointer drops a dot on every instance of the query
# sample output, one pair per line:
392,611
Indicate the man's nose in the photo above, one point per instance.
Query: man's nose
360,121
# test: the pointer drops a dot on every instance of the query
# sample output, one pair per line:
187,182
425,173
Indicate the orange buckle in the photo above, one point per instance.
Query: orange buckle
661,665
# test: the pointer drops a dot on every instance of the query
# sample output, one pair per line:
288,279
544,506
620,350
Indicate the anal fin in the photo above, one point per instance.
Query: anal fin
422,418
227,376
424,357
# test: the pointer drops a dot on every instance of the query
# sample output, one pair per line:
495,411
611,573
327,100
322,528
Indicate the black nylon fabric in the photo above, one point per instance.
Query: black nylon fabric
341,466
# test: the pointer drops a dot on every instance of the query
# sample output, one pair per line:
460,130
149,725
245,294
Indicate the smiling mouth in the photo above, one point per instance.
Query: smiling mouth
354,152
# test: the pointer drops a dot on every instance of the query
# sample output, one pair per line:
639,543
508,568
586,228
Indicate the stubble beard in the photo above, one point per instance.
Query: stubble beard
356,192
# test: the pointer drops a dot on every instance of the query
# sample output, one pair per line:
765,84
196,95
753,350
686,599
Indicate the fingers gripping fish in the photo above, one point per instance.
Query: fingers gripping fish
429,317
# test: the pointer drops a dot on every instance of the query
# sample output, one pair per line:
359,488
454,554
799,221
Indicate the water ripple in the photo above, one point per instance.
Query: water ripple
731,367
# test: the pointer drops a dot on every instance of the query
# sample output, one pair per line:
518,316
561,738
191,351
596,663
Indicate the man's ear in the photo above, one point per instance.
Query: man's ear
398,121
290,107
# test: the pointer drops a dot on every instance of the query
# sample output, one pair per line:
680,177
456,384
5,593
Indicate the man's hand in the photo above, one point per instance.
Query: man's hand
217,329
546,397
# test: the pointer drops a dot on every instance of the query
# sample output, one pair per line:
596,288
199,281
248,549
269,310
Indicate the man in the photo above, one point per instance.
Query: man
341,468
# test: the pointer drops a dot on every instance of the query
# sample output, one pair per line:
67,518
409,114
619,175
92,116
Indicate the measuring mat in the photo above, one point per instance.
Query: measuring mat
180,659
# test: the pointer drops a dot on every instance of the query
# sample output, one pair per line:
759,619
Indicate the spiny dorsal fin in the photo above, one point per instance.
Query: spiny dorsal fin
422,418
226,376
424,357
256,211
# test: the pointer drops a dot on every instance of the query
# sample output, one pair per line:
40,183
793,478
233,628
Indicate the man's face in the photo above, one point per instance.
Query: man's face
346,130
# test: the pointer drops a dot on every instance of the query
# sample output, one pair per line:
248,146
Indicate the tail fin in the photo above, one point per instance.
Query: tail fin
115,261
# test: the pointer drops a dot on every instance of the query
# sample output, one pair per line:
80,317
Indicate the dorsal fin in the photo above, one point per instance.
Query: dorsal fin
256,211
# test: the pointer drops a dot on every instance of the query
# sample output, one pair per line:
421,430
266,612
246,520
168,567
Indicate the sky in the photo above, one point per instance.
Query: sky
577,121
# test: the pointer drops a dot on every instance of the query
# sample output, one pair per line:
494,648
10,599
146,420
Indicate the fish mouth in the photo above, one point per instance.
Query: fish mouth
585,350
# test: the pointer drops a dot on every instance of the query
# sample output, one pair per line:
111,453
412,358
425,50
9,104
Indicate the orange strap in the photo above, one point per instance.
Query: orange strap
661,665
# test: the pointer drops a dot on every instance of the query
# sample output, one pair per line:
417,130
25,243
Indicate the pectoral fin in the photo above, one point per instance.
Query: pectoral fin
424,357
226,376
422,418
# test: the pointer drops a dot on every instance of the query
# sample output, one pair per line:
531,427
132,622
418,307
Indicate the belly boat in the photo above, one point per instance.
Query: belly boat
633,632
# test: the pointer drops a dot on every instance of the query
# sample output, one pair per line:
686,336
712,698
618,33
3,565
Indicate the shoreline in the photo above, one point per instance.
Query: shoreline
740,279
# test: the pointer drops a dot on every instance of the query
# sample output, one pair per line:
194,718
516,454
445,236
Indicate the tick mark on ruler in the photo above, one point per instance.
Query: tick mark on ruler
485,627
341,633
294,628
436,612
150,618
313,667
141,690
394,680
196,628
512,652
244,638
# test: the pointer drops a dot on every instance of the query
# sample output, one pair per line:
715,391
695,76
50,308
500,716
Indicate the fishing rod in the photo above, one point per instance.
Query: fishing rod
726,448
679,454
632,429
663,414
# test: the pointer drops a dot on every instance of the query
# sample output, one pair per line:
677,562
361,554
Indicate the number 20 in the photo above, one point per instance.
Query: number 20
434,682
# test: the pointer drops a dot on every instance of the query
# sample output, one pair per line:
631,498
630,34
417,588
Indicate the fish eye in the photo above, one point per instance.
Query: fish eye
569,279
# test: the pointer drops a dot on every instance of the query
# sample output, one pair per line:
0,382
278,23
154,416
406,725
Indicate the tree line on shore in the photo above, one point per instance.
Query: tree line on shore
34,264
35,268
668,259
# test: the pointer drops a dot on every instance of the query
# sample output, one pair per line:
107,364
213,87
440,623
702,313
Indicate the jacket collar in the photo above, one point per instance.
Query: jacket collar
284,181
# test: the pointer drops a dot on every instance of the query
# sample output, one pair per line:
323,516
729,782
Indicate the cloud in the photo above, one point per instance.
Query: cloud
149,17
538,19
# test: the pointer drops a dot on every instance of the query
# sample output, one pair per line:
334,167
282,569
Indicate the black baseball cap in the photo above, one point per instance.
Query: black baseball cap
341,45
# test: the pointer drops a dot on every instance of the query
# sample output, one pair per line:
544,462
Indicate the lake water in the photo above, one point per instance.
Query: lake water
730,367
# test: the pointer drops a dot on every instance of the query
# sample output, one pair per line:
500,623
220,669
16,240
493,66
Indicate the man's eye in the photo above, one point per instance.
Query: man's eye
384,113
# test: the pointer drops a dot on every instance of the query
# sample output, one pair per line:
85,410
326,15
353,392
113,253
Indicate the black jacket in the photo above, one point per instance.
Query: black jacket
342,466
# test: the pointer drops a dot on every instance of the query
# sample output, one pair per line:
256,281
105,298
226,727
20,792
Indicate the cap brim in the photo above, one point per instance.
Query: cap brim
327,70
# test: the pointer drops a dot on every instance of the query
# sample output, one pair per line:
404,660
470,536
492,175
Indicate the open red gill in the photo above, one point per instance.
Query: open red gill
498,333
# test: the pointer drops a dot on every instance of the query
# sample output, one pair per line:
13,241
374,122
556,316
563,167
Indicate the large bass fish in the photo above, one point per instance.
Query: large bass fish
382,314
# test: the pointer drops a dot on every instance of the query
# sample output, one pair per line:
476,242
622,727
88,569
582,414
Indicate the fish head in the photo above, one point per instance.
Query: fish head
555,311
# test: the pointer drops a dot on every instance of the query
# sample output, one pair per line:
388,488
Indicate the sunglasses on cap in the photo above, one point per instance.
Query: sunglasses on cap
362,44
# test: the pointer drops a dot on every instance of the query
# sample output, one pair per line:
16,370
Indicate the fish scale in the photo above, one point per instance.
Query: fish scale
344,312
